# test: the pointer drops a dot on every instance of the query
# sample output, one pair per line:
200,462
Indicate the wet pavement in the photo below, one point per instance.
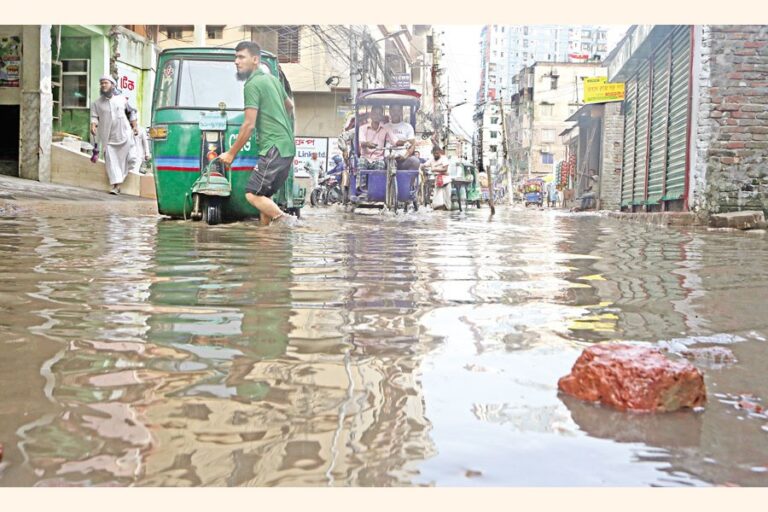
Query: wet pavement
367,350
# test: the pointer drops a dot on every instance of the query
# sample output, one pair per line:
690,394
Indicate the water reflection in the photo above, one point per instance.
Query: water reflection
364,350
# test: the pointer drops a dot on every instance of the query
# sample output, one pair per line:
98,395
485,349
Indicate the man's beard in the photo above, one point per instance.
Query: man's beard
243,75
109,93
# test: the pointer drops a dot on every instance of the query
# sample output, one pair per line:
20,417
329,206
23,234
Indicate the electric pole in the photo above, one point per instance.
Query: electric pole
352,66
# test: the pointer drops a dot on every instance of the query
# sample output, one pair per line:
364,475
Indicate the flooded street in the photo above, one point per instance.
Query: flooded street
367,350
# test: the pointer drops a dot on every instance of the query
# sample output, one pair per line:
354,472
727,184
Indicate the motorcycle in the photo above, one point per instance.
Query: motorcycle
328,191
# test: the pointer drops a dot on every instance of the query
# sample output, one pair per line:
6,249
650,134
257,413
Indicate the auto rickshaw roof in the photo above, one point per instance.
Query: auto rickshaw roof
388,97
197,50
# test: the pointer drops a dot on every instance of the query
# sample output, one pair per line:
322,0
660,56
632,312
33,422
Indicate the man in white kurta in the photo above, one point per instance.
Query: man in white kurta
113,122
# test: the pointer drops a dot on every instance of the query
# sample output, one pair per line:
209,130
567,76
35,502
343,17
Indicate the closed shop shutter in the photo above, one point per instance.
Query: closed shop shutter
628,164
641,133
659,124
678,113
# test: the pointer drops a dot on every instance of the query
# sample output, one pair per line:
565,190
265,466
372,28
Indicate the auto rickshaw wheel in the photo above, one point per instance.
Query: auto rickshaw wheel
477,203
212,210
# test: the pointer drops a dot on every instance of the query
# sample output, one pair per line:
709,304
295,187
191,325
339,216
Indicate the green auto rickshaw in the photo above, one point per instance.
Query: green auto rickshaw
196,115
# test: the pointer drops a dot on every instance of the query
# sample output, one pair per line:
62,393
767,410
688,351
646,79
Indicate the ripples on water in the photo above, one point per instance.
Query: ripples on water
364,350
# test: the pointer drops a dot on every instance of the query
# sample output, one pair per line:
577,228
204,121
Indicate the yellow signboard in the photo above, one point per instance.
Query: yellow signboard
598,90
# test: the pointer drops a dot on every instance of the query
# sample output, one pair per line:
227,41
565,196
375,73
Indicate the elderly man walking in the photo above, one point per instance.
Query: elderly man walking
113,123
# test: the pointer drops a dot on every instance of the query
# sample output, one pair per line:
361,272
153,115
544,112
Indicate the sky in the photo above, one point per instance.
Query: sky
462,61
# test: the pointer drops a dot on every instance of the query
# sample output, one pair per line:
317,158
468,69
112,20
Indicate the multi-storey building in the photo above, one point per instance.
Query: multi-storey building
505,50
546,94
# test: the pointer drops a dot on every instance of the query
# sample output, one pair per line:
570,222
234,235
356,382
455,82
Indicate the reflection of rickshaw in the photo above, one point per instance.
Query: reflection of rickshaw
383,186
197,110
533,191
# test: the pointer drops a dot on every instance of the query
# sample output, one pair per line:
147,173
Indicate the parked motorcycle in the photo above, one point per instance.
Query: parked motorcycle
328,191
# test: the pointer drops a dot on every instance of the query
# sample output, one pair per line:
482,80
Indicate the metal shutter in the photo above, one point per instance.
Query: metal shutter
678,113
628,165
641,133
659,123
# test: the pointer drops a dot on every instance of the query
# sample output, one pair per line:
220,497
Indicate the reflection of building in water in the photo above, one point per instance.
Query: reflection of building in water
89,280
643,287
204,368
287,400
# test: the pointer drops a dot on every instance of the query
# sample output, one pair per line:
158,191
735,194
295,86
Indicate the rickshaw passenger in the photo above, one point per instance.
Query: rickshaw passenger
372,137
401,133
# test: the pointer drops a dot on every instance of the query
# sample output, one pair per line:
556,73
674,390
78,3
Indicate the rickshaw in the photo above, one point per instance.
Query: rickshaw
384,187
533,190
196,114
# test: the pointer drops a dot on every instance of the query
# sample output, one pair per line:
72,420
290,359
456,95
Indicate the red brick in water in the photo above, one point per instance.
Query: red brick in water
629,377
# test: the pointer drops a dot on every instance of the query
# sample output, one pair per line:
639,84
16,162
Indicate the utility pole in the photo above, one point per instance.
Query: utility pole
447,137
504,148
352,66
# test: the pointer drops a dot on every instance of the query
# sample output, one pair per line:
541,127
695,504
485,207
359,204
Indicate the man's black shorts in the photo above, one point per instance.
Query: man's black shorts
270,173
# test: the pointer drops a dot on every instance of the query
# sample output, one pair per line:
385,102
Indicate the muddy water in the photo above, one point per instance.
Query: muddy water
360,350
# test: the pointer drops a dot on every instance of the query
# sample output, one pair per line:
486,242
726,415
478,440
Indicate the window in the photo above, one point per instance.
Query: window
547,158
214,31
205,83
585,47
586,34
494,134
165,95
548,134
493,148
288,43
177,31
553,82
525,31
75,83
546,109
494,120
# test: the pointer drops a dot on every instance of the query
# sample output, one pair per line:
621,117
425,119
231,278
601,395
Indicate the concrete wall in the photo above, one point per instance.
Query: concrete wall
731,167
319,114
76,169
611,156
36,103
137,54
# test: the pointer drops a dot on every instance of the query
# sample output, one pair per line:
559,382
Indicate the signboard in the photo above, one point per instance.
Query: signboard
128,83
401,81
10,61
598,90
305,146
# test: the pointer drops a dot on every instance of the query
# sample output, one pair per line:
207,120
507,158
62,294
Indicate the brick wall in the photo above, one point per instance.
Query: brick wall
611,156
731,168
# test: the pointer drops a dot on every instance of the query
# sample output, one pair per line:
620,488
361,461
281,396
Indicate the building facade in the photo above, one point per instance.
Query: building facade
546,95
694,116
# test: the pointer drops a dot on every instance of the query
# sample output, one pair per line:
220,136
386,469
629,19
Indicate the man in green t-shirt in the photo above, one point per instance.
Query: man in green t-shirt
269,110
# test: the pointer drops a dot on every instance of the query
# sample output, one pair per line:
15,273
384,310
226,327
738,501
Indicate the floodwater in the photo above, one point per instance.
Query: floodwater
366,350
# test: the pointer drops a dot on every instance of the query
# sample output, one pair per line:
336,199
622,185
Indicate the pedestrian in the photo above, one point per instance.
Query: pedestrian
551,194
315,168
143,154
441,200
114,124
269,111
